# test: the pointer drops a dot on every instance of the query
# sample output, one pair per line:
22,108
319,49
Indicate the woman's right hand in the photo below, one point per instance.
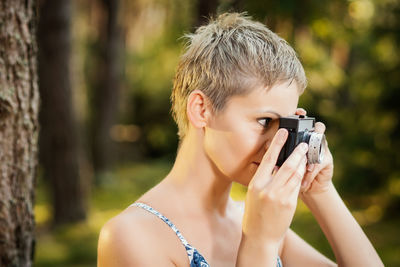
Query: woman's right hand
272,194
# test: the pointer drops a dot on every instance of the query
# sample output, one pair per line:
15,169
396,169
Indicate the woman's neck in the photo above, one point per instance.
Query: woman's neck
198,180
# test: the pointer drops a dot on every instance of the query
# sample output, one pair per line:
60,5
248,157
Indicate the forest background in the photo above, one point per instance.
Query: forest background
106,134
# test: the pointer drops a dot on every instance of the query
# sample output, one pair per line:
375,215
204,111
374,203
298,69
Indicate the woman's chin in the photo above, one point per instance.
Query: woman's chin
245,178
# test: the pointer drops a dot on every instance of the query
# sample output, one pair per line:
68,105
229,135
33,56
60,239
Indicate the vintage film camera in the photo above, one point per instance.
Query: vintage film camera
301,129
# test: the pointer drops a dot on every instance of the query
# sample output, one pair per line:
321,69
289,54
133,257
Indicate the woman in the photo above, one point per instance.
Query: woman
233,83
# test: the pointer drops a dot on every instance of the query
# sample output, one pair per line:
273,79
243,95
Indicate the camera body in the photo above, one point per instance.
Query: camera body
301,129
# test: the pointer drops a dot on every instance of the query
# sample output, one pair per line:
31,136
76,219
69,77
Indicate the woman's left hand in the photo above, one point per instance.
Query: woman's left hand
318,177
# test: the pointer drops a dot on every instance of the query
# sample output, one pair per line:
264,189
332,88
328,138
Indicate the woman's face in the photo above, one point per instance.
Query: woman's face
237,138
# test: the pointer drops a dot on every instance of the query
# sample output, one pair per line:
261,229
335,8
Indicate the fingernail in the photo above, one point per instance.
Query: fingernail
282,133
310,167
304,184
304,147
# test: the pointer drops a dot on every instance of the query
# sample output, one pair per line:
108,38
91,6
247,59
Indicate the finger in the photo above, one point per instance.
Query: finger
309,178
290,166
268,162
294,189
301,111
320,127
325,144
276,168
295,194
310,167
294,181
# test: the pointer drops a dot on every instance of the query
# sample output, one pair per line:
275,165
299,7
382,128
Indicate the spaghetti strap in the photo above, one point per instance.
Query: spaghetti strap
195,258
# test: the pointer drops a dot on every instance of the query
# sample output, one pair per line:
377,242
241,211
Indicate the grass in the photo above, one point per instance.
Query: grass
76,245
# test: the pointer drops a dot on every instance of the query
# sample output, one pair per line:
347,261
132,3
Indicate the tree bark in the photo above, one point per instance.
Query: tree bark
107,85
19,101
59,148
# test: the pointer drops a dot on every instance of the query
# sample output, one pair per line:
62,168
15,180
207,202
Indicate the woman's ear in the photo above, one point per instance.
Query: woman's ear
198,109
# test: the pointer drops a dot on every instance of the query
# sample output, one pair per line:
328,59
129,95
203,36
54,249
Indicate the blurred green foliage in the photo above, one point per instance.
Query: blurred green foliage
350,53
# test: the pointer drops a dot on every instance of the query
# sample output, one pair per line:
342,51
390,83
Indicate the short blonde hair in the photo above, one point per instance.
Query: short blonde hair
229,56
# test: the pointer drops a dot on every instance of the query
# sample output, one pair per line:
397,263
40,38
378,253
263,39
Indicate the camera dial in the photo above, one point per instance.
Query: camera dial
315,152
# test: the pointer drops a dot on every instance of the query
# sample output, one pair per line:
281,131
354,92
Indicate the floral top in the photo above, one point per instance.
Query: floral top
195,258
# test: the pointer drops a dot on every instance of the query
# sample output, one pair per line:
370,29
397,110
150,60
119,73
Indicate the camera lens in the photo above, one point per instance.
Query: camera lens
315,148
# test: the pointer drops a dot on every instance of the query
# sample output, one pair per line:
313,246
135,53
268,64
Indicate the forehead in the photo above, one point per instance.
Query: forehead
281,98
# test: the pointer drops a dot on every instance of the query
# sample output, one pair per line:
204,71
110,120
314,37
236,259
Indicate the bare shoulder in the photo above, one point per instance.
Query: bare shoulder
130,239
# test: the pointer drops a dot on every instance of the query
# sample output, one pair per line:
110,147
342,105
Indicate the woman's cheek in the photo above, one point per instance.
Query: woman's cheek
218,148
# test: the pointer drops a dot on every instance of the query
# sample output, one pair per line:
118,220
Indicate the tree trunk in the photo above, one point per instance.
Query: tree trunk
19,101
107,87
59,153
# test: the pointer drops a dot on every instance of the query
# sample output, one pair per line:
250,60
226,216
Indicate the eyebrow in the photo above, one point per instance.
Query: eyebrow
271,111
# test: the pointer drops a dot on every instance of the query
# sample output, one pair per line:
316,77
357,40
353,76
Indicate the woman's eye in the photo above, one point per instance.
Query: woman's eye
264,121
